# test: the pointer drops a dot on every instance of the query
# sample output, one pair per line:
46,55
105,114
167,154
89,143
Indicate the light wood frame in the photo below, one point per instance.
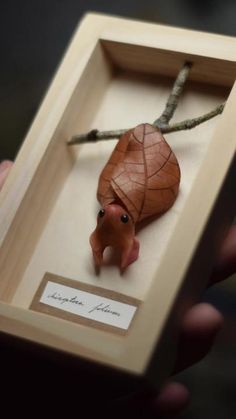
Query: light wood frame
101,45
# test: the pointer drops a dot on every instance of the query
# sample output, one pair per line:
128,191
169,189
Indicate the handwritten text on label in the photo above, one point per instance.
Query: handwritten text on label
88,305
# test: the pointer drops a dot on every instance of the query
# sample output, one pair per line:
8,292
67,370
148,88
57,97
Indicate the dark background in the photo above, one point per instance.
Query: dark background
34,36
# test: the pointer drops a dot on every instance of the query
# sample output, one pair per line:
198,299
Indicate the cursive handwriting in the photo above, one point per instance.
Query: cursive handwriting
73,300
104,309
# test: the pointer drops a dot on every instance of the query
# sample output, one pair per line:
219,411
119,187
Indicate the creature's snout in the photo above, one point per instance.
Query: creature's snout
115,228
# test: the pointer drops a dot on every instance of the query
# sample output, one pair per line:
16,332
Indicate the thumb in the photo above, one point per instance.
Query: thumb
5,167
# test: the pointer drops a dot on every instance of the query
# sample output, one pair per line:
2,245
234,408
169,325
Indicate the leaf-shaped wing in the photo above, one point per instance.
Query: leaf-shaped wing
105,192
146,175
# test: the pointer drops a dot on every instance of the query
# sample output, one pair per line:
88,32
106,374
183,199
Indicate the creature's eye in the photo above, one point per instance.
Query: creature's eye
124,218
101,213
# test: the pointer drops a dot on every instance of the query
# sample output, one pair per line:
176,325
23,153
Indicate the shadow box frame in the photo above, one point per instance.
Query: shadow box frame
100,47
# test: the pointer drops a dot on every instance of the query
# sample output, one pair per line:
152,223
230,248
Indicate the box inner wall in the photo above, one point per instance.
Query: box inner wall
63,247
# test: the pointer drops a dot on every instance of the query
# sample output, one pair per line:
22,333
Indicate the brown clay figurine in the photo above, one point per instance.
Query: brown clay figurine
141,179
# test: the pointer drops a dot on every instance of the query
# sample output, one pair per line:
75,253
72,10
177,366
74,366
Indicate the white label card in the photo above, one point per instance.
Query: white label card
88,305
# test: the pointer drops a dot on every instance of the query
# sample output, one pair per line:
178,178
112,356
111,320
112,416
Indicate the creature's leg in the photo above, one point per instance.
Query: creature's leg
130,254
97,249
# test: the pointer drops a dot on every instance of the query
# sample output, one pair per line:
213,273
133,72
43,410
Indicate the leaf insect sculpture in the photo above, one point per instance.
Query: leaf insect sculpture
140,180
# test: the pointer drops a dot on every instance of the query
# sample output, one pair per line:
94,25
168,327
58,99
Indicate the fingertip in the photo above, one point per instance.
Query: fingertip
199,329
5,166
226,261
203,320
174,397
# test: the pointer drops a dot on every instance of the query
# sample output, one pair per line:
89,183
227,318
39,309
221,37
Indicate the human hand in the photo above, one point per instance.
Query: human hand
199,328
5,167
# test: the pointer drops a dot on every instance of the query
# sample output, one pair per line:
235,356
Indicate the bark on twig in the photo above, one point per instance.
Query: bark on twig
173,99
96,135
191,123
162,122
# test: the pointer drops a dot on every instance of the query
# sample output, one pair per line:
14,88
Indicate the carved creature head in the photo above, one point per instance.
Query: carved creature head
115,228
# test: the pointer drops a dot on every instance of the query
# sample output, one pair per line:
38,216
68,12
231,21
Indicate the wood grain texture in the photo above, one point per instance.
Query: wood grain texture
34,226
210,66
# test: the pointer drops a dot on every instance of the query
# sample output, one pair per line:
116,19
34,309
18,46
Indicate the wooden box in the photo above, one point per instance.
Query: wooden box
115,74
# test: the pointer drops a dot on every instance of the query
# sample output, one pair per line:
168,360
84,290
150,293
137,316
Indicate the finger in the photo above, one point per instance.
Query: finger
172,400
199,329
5,166
226,262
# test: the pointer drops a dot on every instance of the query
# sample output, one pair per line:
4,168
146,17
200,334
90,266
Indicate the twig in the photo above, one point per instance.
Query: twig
96,135
191,123
173,99
163,121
